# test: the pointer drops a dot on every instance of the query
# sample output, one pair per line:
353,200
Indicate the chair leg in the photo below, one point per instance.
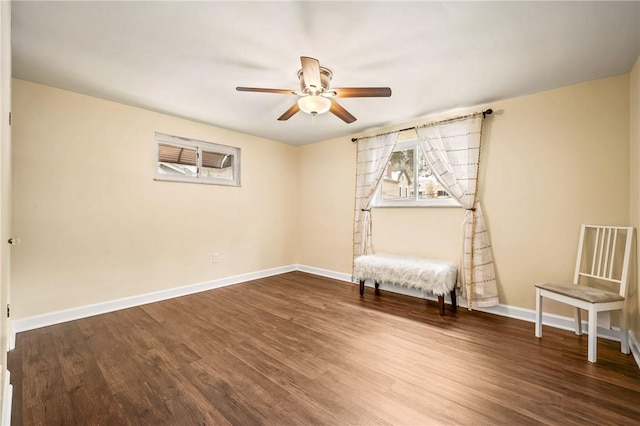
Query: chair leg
593,334
578,316
538,312
624,334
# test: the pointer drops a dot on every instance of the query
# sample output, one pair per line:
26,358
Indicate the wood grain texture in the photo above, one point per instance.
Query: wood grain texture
301,349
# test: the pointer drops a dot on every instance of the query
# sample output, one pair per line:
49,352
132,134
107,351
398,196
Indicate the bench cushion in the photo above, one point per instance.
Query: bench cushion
436,276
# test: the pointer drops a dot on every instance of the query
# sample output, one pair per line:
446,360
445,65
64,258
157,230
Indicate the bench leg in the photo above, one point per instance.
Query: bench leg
454,303
441,305
361,287
377,287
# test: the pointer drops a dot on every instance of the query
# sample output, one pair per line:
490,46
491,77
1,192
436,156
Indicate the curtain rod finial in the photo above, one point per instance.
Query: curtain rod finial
487,112
354,139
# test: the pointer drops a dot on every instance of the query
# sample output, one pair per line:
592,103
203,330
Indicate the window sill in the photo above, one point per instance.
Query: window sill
424,204
196,180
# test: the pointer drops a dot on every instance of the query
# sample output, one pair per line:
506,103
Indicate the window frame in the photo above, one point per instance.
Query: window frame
199,146
415,202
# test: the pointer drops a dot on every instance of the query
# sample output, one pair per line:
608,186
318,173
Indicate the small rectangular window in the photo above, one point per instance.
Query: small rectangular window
188,160
408,181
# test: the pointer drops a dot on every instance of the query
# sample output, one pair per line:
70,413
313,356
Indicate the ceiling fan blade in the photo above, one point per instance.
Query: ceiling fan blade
261,90
311,72
290,112
362,92
341,113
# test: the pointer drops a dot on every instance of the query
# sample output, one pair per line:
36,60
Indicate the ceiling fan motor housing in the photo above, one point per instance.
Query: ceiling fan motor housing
325,78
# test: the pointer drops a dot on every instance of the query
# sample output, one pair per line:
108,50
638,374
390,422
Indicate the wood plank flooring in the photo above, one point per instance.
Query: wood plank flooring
301,349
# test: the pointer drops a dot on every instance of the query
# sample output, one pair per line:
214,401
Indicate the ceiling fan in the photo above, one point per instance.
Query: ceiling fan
315,95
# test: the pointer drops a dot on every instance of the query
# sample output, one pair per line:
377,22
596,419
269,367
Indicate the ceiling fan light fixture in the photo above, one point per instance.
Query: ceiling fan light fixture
314,105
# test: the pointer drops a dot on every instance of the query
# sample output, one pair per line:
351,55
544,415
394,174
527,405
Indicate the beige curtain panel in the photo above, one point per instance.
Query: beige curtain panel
452,149
372,157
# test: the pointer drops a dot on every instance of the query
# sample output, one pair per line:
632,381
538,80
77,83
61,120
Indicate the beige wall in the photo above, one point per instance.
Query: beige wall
326,178
634,294
551,161
96,227
94,224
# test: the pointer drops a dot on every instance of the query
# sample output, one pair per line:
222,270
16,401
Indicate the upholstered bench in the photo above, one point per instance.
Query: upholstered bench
435,276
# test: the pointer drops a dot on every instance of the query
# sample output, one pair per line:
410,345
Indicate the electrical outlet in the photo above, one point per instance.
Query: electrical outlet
216,257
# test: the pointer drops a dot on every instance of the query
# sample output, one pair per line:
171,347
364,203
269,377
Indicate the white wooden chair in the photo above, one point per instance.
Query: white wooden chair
597,263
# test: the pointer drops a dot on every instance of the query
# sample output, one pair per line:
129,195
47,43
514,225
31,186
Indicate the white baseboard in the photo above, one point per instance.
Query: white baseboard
551,320
30,323
44,320
341,276
634,344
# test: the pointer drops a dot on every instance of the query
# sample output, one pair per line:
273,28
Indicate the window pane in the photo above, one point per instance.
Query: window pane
428,186
217,165
176,160
193,161
397,182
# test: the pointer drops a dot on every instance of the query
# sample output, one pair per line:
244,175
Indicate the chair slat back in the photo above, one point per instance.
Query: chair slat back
601,245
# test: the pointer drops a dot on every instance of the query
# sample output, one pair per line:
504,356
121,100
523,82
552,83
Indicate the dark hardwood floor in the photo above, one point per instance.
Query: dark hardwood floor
302,349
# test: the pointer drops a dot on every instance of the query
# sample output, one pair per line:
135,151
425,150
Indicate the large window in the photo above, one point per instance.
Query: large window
408,181
188,160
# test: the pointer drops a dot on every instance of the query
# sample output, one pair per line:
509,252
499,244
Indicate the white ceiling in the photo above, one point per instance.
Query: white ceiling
186,58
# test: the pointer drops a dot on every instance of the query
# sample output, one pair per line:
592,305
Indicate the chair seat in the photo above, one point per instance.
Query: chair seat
588,294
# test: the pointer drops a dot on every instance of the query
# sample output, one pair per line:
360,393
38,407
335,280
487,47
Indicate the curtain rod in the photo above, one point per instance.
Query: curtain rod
484,114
